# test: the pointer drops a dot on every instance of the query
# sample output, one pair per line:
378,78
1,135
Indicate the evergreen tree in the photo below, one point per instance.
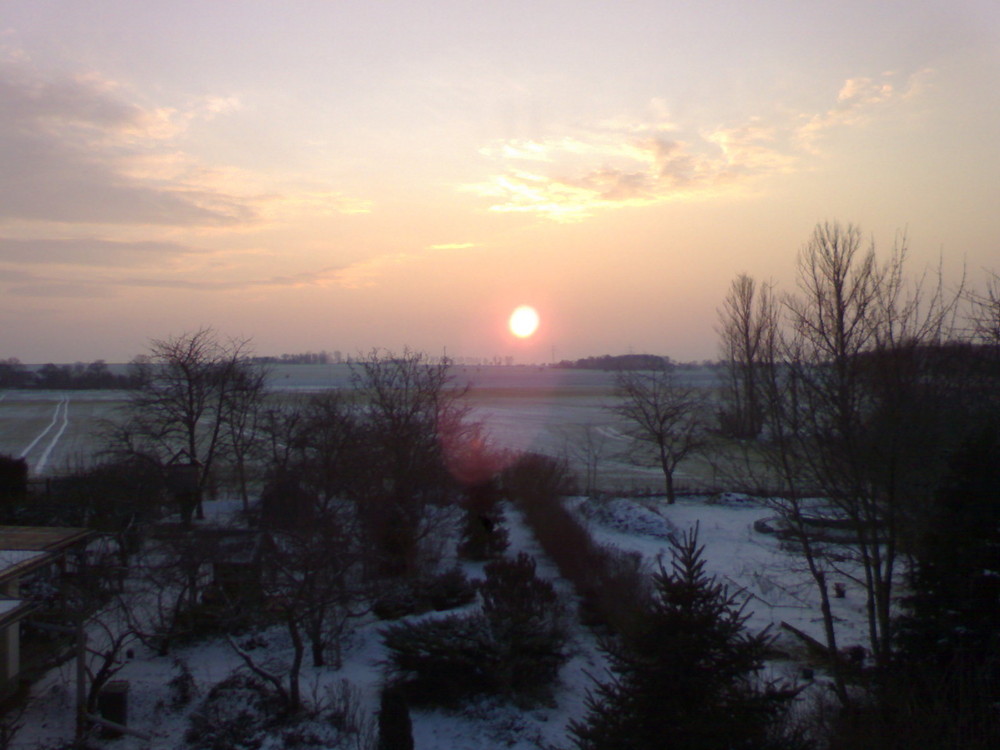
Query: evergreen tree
954,610
944,686
685,679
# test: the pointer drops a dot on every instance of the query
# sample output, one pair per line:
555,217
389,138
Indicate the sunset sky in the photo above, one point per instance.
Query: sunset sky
345,175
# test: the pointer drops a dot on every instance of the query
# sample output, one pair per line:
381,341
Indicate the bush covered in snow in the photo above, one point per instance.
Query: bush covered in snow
628,516
513,647
237,713
440,592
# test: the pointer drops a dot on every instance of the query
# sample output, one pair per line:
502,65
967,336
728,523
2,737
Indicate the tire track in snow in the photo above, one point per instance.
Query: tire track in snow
43,433
52,443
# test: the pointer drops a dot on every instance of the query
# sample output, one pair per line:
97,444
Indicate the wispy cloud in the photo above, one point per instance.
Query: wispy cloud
858,100
620,162
62,290
77,149
89,252
313,202
106,285
365,273
66,143
321,277
453,246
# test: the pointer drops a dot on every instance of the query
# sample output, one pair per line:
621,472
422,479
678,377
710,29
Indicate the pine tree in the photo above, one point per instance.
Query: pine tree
686,677
944,686
954,610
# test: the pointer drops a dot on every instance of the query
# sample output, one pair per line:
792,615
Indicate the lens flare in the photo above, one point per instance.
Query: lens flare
524,321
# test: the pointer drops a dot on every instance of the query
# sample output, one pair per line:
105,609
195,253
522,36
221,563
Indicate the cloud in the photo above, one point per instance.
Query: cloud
66,144
858,101
453,246
62,290
754,149
619,162
364,273
88,252
322,277
294,203
102,286
635,170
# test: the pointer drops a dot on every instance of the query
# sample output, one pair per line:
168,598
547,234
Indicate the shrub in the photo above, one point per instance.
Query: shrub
443,660
413,597
236,713
538,474
611,584
447,590
525,621
13,478
484,536
513,648
182,686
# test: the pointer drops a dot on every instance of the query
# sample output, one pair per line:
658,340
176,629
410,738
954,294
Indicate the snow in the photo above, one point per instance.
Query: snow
748,561
11,558
525,410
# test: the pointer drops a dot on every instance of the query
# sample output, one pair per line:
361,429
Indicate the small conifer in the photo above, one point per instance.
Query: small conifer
685,677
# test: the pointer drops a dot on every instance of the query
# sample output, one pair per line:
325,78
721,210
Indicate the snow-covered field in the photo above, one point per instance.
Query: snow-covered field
546,410
746,560
53,430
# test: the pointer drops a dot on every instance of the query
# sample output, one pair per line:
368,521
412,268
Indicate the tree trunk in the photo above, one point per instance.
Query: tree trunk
318,649
294,696
668,476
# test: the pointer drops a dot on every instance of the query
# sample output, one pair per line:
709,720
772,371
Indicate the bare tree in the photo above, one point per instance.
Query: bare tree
243,415
194,391
664,420
313,581
586,445
411,411
747,327
859,330
986,312
853,433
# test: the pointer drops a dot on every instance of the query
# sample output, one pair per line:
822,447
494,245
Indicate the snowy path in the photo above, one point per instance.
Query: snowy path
40,467
60,416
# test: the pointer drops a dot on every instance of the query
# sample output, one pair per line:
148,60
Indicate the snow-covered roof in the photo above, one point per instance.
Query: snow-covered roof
23,548
12,610
14,558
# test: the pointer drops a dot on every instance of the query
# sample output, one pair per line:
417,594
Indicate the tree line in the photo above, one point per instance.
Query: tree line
78,376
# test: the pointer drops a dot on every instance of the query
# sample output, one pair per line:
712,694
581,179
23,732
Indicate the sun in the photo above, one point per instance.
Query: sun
524,321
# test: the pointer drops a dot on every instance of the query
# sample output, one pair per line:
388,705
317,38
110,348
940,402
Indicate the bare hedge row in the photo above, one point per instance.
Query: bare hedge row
612,584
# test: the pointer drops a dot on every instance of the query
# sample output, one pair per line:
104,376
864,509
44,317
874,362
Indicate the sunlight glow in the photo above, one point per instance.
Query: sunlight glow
524,321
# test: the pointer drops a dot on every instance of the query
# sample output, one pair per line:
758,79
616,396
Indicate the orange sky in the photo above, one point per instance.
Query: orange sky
343,176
